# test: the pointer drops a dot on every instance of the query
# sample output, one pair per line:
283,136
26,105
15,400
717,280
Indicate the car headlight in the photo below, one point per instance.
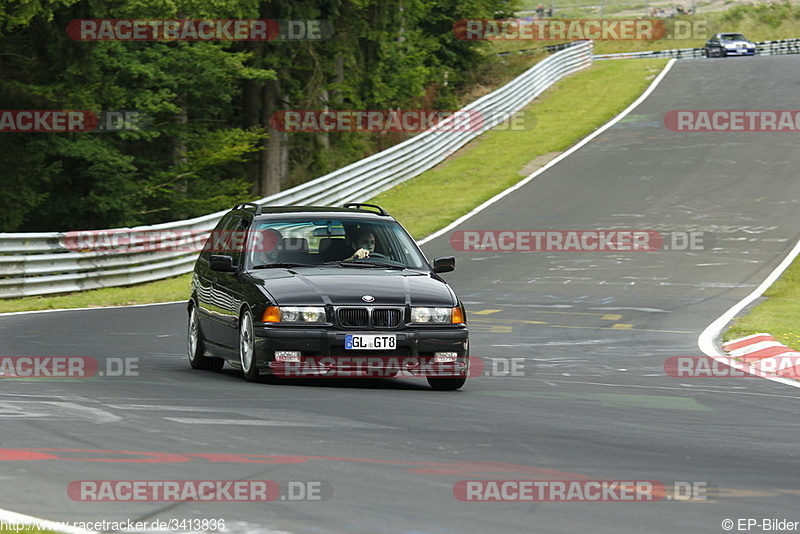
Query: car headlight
294,314
420,314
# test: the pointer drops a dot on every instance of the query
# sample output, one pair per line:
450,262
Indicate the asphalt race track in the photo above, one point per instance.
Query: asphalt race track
589,332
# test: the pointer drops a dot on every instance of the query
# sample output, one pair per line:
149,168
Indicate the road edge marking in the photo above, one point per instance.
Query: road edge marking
29,312
555,160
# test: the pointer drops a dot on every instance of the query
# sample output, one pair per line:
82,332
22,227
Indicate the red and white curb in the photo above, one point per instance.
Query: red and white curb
765,356
707,341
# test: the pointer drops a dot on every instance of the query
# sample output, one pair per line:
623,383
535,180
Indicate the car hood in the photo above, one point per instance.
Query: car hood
346,286
736,42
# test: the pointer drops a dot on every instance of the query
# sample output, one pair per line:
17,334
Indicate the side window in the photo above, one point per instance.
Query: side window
236,239
215,243
227,238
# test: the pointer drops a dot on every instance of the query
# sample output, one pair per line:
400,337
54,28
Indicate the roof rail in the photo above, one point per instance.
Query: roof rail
244,205
359,205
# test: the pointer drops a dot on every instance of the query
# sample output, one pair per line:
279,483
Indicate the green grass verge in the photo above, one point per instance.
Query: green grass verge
566,113
778,314
168,290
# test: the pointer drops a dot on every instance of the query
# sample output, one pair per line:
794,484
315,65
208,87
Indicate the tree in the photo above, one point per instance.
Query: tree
207,141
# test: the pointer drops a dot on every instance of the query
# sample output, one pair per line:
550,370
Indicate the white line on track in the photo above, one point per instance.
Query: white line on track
554,161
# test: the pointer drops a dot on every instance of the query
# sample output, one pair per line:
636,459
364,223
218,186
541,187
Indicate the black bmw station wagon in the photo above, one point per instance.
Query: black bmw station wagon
317,291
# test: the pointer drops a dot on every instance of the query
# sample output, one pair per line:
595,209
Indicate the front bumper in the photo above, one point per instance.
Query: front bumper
740,51
323,352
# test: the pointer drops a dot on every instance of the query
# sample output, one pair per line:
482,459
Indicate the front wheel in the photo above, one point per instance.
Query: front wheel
197,348
446,383
247,347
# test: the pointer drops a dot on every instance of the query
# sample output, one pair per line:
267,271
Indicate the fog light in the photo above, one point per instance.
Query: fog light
287,355
445,357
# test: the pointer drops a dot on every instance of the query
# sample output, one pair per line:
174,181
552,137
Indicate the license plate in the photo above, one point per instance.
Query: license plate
370,341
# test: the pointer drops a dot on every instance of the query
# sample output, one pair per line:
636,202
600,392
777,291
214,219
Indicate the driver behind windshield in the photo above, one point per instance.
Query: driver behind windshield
269,248
363,245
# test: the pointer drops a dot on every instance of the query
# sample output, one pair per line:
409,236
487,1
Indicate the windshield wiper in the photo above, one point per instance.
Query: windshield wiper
366,264
281,265
385,265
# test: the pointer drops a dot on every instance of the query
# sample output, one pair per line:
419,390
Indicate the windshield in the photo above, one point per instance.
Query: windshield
339,242
732,37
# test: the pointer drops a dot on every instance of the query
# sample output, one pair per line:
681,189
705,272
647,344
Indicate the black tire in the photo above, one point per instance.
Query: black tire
197,346
247,353
446,383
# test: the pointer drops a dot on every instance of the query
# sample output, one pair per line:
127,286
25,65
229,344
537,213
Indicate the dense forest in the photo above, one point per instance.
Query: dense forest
205,140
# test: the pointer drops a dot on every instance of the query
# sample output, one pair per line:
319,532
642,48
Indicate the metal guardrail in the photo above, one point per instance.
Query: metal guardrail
763,48
679,53
779,47
43,263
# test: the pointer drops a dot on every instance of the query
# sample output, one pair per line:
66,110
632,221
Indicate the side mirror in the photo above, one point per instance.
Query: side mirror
444,264
223,264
